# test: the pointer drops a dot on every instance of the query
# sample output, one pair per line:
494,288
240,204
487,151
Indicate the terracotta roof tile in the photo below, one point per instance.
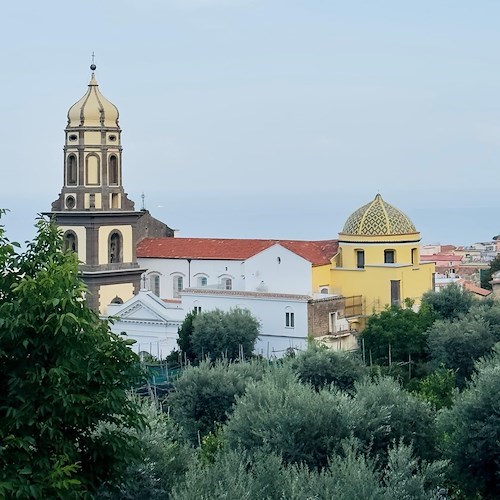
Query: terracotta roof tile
441,258
316,252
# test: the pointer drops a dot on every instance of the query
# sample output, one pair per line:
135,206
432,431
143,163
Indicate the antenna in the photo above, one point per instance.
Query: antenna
143,197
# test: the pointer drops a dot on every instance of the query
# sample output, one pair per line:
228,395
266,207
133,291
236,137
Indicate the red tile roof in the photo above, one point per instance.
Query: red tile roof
474,288
441,258
316,252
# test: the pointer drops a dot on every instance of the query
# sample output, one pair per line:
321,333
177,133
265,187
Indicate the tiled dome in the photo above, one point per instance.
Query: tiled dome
93,109
378,218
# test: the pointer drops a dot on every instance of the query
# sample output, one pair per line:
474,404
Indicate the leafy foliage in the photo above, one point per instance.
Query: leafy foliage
265,476
438,388
402,332
487,275
451,302
204,395
185,337
458,344
217,334
287,417
320,367
162,462
386,413
63,373
471,431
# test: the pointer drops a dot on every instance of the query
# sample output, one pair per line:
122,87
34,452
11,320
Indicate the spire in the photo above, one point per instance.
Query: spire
93,67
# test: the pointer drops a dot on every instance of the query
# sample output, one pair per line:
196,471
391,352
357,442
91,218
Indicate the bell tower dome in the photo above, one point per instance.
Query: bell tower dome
93,156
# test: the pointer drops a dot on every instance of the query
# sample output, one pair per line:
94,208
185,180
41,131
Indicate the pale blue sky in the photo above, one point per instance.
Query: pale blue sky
265,118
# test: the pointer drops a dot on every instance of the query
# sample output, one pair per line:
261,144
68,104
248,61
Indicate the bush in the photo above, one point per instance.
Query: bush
386,413
264,476
204,395
471,431
456,345
450,303
289,418
162,463
321,367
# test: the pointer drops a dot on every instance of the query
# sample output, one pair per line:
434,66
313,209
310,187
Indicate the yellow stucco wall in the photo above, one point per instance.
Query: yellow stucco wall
108,292
374,253
127,242
81,243
321,277
373,282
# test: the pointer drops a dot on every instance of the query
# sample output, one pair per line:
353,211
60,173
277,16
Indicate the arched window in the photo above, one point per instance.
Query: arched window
227,283
178,285
71,170
93,170
202,281
154,284
324,291
70,242
117,300
113,170
115,247
289,318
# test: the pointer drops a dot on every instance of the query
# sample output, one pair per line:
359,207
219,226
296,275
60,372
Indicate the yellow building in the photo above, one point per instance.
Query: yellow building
378,261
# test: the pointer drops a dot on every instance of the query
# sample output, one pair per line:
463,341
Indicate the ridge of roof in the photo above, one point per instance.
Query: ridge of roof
317,252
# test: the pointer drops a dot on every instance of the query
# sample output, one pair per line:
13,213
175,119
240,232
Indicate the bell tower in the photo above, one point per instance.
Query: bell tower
97,218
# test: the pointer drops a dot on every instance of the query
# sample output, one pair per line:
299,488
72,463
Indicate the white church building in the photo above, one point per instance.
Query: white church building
270,278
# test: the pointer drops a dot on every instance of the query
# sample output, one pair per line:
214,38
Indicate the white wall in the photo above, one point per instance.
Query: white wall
278,270
213,269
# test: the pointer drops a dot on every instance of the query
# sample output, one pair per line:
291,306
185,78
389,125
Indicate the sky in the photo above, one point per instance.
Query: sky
264,118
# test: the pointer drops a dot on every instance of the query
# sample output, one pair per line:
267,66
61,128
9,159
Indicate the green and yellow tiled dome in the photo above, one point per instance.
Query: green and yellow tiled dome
378,218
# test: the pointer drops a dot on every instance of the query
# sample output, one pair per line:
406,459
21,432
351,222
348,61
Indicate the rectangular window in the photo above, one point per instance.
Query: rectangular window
290,320
389,257
197,309
395,292
360,259
414,256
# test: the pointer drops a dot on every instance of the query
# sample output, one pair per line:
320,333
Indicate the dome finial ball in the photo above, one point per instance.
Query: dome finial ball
93,67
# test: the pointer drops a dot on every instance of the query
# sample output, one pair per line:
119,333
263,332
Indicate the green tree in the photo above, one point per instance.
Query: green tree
398,333
438,388
456,345
320,367
471,431
387,413
63,373
204,395
487,274
185,337
349,475
283,415
451,302
162,461
218,334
